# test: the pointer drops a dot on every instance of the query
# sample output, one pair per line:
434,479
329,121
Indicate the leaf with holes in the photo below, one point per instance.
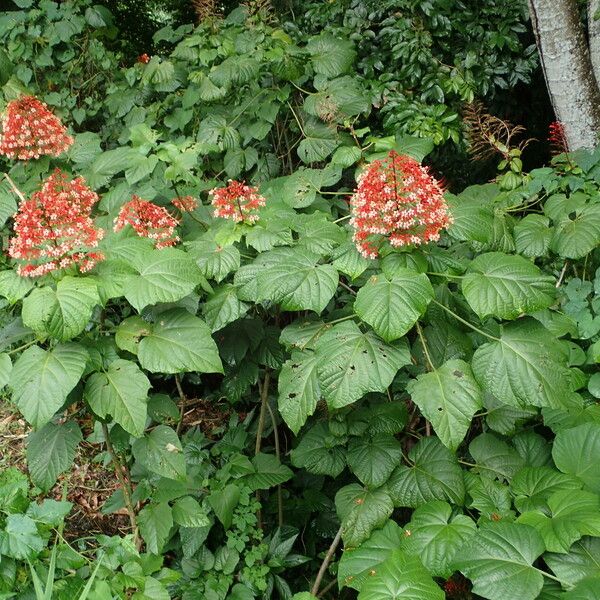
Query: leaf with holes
160,452
448,397
352,363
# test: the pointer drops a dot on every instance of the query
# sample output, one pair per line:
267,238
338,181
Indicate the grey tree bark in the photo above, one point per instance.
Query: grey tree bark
567,66
593,9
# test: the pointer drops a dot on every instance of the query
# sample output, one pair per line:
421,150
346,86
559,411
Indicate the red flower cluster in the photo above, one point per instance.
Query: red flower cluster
237,202
143,58
30,130
398,199
185,203
557,138
148,220
54,228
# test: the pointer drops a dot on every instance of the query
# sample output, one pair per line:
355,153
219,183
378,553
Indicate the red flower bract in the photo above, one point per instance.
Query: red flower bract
397,198
185,203
557,138
54,228
148,220
237,202
30,130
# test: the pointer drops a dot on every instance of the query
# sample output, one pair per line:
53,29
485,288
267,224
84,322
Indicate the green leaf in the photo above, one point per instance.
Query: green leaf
319,142
64,313
14,287
49,512
393,307
223,502
586,589
179,343
41,380
490,497
576,451
155,522
269,472
434,474
574,238
160,452
473,220
293,279
401,577
532,486
372,459
583,560
139,166
356,564
533,235
223,307
120,392
494,457
166,275
5,369
573,514
51,451
319,452
525,366
349,261
448,397
187,512
299,389
215,261
20,538
361,511
499,561
346,156
436,536
330,56
352,363
416,147
505,286
106,165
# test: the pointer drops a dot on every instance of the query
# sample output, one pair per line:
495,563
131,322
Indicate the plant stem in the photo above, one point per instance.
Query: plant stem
15,189
124,486
343,219
278,455
336,540
424,344
22,347
326,588
347,287
459,318
264,399
183,398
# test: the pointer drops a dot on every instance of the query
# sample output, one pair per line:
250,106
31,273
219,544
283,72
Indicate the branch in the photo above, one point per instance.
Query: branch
336,540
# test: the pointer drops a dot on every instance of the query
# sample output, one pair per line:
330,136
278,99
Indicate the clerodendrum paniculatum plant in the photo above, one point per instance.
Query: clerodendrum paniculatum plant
396,347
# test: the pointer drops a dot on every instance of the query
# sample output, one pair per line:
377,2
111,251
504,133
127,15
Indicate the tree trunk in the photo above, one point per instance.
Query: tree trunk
567,66
594,36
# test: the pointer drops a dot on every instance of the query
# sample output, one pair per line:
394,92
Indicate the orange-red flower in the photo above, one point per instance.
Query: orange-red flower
398,200
143,58
148,220
54,228
30,130
237,201
557,138
185,203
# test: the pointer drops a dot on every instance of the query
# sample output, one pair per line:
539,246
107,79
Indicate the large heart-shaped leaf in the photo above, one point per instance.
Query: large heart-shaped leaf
582,561
393,306
160,452
179,342
155,522
352,363
436,536
372,459
448,397
299,389
166,275
401,577
433,474
499,561
576,452
122,393
525,366
62,313
330,56
505,286
41,380
573,514
320,452
51,451
361,511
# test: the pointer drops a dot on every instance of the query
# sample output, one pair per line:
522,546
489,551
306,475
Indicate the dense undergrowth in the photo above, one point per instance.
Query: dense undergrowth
288,412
